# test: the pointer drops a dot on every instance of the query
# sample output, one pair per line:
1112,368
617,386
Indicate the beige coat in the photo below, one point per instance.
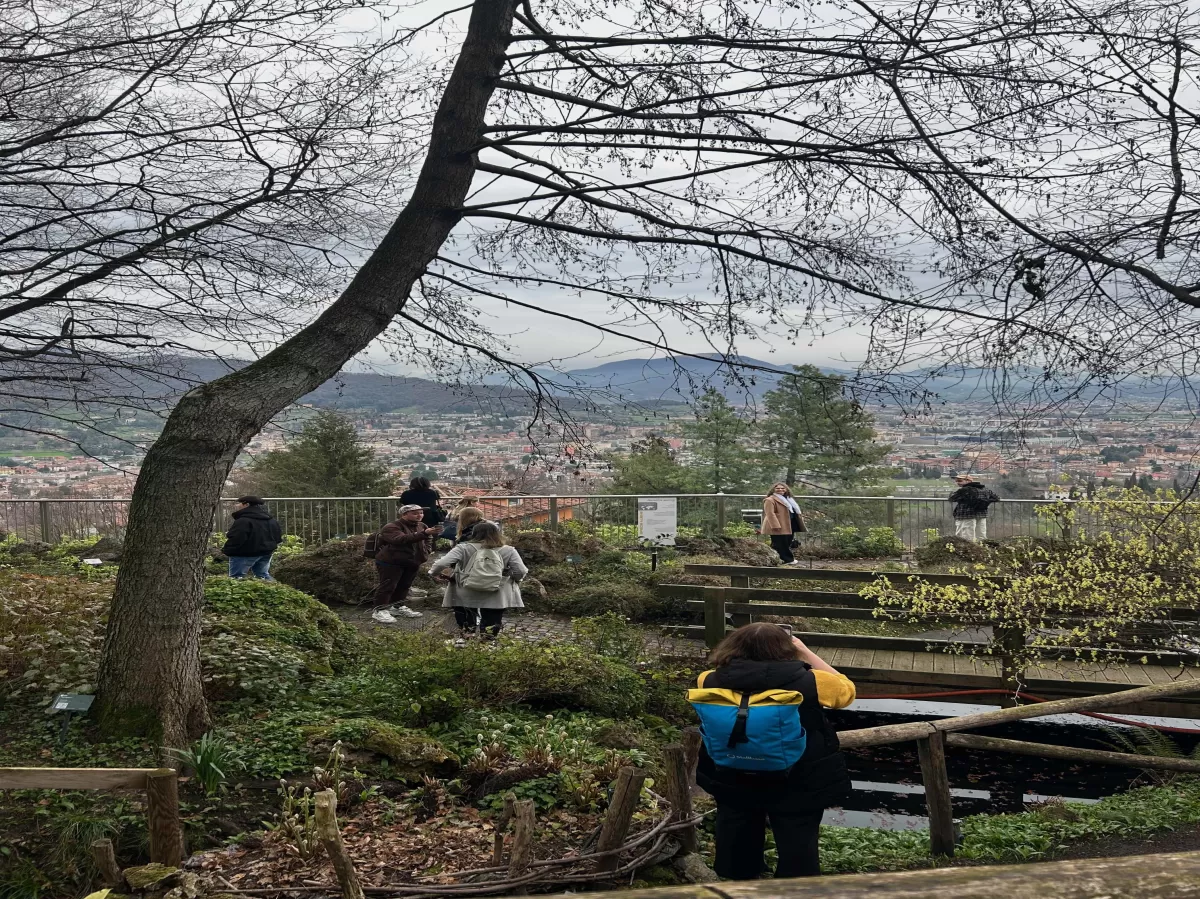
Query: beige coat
777,516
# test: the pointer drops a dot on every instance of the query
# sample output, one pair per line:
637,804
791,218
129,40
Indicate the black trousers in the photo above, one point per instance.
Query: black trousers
466,619
491,620
782,544
742,837
394,583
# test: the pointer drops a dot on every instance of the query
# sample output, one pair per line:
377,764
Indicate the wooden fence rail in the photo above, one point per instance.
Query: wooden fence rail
160,784
1167,876
933,737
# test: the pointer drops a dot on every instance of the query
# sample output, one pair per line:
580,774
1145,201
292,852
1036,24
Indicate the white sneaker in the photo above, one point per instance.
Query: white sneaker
405,612
383,616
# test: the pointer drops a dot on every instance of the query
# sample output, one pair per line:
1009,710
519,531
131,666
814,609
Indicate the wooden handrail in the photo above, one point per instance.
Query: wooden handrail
1166,876
918,730
75,778
845,575
162,797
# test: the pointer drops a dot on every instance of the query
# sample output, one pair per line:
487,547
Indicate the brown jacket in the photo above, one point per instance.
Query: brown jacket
777,517
403,543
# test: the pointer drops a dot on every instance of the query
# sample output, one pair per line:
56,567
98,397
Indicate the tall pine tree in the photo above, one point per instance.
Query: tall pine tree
326,458
651,468
718,440
812,426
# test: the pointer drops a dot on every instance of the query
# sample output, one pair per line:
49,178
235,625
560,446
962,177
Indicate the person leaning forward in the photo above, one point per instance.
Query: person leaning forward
403,549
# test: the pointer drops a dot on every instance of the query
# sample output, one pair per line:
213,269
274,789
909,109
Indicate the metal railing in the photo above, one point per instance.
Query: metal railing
317,519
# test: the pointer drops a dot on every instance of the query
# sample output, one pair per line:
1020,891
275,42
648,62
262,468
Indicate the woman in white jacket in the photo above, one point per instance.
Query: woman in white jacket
484,574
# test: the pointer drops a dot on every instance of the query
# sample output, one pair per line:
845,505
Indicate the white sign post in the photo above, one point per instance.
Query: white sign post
658,520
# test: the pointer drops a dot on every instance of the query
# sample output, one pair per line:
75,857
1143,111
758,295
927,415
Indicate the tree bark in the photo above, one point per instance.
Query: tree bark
149,679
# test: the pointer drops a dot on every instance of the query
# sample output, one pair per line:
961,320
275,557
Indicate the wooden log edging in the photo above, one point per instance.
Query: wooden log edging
331,838
626,796
1072,754
1174,875
917,730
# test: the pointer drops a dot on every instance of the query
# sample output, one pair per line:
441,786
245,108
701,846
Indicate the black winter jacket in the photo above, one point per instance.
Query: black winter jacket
253,533
820,779
429,500
972,500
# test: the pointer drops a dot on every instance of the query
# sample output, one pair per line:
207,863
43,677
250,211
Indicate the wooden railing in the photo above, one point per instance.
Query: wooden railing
160,784
739,602
932,738
1167,876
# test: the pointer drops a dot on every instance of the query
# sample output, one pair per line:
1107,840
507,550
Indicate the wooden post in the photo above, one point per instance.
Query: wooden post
44,520
106,862
510,803
162,816
691,748
721,514
679,792
740,581
626,795
331,839
714,618
522,846
553,513
1011,641
932,751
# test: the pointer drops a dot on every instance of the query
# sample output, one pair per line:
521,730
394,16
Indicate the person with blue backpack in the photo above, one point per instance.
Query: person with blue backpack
484,575
769,753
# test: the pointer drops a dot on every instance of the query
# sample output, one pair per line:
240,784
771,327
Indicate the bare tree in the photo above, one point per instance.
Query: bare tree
1005,183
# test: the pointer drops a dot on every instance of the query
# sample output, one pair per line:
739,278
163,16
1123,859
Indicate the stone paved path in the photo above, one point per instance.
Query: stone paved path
518,624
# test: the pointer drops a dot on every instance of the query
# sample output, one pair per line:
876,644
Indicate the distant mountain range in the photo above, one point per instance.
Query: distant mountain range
660,381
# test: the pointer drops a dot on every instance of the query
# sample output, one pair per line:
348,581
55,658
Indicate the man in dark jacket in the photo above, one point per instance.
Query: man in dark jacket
403,548
971,501
252,539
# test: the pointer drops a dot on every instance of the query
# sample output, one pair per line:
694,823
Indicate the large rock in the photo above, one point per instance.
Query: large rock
153,876
412,756
107,549
333,572
736,550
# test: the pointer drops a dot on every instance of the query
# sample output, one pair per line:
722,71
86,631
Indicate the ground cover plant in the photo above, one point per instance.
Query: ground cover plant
422,740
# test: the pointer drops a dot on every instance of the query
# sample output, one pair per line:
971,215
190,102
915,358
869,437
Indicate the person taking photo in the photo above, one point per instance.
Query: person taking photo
403,547
769,753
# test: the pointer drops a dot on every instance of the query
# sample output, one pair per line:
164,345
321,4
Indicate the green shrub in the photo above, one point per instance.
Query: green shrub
626,599
394,697
554,675
610,635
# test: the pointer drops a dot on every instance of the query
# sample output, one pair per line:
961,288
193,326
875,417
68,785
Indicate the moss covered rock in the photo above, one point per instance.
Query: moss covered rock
333,572
154,876
411,755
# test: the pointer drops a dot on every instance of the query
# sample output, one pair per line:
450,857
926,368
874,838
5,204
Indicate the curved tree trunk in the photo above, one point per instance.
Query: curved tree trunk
149,678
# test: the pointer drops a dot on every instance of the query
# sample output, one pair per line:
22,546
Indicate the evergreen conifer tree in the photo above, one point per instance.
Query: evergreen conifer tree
327,458
812,426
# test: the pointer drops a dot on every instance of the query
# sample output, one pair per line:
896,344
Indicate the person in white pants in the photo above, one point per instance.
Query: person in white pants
971,501
973,529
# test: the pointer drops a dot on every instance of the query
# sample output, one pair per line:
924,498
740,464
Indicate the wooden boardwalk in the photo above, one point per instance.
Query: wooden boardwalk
886,672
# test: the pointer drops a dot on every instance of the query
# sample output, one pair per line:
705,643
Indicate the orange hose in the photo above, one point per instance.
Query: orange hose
1159,727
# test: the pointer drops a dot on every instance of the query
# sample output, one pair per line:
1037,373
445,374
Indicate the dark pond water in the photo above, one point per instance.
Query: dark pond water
887,779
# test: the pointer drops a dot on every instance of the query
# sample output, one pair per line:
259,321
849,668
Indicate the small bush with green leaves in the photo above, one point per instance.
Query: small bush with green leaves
610,635
212,758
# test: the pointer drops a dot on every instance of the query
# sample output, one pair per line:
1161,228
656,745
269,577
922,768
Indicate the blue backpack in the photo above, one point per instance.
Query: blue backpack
750,731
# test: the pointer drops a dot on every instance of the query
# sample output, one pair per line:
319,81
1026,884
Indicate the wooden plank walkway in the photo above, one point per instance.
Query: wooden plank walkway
886,672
